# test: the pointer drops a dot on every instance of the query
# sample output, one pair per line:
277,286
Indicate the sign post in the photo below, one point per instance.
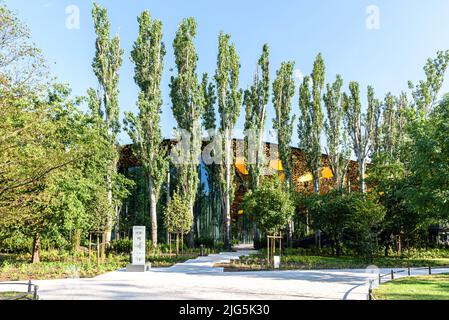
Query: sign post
138,252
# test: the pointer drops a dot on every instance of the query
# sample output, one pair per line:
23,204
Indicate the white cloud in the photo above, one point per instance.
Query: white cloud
298,74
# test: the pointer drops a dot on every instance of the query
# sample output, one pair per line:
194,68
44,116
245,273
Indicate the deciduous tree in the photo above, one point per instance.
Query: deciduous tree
337,144
144,129
360,126
311,119
229,102
255,100
187,107
104,101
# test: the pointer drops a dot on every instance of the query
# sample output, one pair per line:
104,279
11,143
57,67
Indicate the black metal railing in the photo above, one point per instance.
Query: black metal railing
392,273
32,290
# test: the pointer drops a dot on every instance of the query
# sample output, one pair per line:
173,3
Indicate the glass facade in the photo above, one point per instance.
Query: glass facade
208,218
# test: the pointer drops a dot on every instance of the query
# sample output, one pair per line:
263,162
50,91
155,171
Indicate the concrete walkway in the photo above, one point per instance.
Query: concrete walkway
198,279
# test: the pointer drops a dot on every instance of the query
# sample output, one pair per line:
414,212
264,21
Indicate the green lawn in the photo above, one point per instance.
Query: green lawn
10,295
434,287
352,262
307,261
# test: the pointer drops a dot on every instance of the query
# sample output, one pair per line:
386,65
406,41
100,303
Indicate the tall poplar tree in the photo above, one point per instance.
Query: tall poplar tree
144,129
311,119
208,91
255,101
283,91
187,108
360,126
425,93
389,127
104,101
337,144
229,102
209,124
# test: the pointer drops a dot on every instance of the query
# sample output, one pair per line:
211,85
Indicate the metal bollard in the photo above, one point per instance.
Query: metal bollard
380,279
408,271
202,250
35,296
392,274
430,270
29,286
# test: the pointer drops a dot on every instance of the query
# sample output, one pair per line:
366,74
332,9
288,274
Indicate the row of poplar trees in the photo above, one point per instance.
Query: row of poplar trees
348,130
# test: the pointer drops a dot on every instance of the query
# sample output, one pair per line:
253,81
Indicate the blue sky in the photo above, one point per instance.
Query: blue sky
410,32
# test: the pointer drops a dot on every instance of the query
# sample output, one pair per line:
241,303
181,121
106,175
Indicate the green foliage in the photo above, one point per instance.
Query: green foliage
311,120
67,190
144,129
106,66
22,66
58,265
361,127
350,221
255,101
270,206
208,90
121,246
187,107
365,224
410,168
302,259
426,92
283,91
428,164
229,98
14,241
337,145
178,218
104,103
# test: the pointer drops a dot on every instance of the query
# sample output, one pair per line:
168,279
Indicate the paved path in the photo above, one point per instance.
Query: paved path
198,279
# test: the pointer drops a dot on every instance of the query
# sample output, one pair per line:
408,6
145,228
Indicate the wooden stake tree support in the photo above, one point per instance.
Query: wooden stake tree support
271,247
171,236
99,246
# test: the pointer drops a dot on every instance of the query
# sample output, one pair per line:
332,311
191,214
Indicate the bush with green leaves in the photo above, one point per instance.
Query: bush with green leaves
178,217
121,246
350,221
270,206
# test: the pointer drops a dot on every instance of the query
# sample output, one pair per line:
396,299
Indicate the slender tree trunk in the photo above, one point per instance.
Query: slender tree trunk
227,203
289,233
307,222
362,175
191,235
153,212
168,201
117,223
316,181
77,239
110,200
290,225
338,180
35,256
109,218
260,153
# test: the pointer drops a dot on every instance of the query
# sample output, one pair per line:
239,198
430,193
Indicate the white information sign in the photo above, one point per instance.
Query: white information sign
277,261
138,255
